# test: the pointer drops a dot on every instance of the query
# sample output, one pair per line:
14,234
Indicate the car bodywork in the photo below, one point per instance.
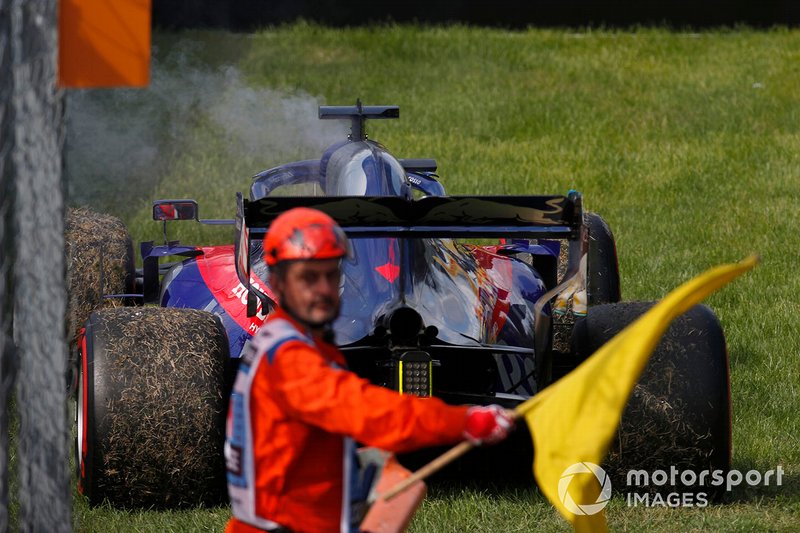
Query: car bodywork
414,294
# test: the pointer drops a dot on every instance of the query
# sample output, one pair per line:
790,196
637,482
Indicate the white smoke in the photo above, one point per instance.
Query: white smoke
260,120
122,142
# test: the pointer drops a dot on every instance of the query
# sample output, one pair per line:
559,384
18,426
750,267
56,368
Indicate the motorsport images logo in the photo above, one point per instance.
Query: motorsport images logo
674,488
582,469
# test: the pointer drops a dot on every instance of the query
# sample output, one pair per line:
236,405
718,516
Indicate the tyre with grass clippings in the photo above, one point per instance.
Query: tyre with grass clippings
99,255
151,408
679,413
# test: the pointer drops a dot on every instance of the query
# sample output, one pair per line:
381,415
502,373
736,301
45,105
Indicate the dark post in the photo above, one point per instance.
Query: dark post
38,278
6,252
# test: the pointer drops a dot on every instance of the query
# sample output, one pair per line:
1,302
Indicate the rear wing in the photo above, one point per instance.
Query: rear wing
552,217
433,216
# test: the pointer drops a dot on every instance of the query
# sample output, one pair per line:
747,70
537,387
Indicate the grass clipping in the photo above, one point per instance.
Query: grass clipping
99,261
164,381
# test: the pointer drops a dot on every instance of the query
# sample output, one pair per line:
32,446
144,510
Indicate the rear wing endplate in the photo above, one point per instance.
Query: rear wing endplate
242,258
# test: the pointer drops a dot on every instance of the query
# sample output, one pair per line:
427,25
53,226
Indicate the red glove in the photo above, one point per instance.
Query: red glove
487,425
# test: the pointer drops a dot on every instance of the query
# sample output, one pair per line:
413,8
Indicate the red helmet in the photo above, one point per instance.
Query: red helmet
303,233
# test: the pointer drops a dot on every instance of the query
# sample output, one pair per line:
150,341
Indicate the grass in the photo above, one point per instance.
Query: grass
685,143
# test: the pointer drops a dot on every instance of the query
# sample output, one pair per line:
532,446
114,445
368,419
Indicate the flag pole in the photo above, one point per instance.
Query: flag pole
434,466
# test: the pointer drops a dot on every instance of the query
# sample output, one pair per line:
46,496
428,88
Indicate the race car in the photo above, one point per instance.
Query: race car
428,308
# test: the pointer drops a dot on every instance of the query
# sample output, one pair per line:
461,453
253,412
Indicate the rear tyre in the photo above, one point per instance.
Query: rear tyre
679,413
151,408
100,261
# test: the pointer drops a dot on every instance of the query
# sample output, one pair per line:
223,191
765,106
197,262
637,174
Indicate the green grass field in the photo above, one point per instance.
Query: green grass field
687,144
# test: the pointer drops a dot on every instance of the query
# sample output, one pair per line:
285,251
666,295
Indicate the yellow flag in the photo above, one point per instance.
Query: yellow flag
591,399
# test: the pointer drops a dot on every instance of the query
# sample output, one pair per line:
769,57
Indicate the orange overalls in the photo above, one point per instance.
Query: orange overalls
294,415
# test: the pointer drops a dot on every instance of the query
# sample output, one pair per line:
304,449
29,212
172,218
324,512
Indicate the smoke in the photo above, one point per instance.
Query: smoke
121,143
286,124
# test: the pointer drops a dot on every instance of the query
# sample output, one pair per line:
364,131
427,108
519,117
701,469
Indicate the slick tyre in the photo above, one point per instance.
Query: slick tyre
602,272
679,414
100,261
151,408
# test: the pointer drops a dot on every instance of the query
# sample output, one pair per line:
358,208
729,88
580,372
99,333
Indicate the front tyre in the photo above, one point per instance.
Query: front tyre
100,262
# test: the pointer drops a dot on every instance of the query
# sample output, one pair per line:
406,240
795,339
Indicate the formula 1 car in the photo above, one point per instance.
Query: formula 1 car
424,312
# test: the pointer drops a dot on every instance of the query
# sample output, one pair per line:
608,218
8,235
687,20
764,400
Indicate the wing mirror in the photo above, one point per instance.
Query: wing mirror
175,210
